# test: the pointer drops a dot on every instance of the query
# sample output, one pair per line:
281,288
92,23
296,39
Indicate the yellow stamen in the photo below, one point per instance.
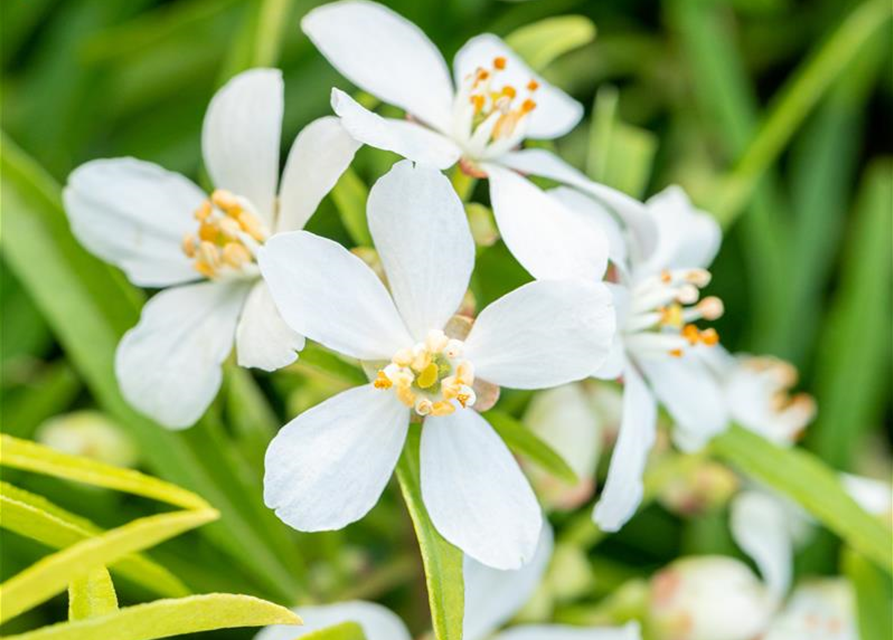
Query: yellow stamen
235,254
710,337
189,245
690,332
509,91
499,62
427,377
676,353
207,232
533,85
203,211
671,315
527,106
442,409
382,381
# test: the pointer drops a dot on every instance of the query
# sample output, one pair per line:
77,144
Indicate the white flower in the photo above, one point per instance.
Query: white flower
822,609
328,466
91,434
165,232
492,598
708,598
658,351
493,103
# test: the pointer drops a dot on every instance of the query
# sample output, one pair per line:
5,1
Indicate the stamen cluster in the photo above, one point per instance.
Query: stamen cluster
228,236
432,377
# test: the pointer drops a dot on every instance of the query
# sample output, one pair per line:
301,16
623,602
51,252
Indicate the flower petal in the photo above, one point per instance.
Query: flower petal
328,294
631,212
874,496
692,395
421,233
241,137
475,492
759,524
629,631
686,236
590,209
824,604
263,340
386,55
549,240
328,467
543,334
319,155
556,112
377,622
493,597
408,139
623,488
134,215
168,365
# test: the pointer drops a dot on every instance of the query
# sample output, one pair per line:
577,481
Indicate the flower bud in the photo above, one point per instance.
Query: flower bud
90,434
708,598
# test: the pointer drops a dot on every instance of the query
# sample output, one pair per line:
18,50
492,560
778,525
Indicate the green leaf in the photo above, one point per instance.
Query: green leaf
319,362
34,517
91,595
344,631
527,444
166,618
442,561
542,42
874,596
349,195
850,379
816,487
51,574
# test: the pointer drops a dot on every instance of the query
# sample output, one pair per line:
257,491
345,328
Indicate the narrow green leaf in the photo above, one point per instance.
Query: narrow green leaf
317,361
808,481
91,595
51,574
527,444
35,517
344,631
349,196
542,42
795,100
850,379
50,393
874,596
442,561
30,456
166,618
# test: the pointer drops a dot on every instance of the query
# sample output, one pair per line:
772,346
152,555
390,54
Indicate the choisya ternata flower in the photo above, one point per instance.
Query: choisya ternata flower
165,232
478,118
659,350
327,467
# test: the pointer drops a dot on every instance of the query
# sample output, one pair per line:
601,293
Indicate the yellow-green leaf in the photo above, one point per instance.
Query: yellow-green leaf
37,518
442,561
92,595
51,575
343,631
542,42
166,618
30,456
349,195
527,444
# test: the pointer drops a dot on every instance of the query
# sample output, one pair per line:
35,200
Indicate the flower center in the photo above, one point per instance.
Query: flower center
228,236
432,377
491,111
664,308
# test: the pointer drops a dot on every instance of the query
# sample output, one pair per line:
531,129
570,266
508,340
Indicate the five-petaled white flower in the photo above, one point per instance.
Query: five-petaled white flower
328,467
492,598
658,351
164,231
497,102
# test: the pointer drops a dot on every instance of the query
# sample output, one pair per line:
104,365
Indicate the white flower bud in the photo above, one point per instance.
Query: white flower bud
90,434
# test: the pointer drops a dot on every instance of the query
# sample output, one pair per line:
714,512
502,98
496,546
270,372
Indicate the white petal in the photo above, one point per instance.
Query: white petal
590,209
319,155
821,609
328,467
328,294
493,597
565,632
421,233
556,112
875,496
263,340
475,492
686,236
692,395
241,137
547,238
543,334
631,212
384,54
168,365
378,622
134,214
613,366
408,139
623,488
759,526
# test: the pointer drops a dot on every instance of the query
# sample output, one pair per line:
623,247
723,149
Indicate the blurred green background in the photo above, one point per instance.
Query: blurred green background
773,114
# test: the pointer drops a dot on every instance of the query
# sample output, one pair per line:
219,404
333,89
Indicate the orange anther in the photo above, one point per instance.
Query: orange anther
528,106
499,62
676,353
509,91
710,337
533,85
690,332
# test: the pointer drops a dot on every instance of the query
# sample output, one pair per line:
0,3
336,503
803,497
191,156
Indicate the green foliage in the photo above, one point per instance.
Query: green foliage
542,42
346,631
527,444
